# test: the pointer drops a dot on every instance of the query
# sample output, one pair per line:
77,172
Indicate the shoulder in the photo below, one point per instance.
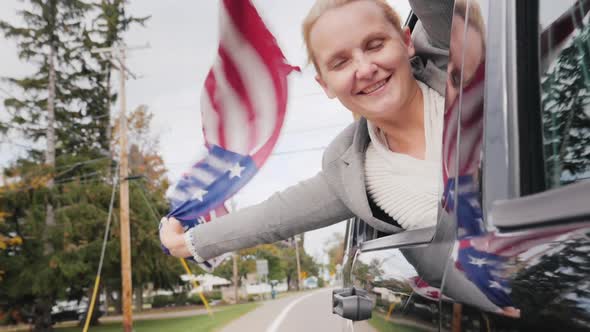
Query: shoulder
436,17
340,144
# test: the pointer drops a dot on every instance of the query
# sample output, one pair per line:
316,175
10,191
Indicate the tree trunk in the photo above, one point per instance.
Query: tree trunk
139,298
42,315
42,311
457,316
108,110
118,303
107,301
50,152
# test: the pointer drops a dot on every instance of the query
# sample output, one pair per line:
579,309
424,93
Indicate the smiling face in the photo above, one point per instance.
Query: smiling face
363,60
466,53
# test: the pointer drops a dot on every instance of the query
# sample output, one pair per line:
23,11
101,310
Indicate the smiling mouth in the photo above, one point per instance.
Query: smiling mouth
374,87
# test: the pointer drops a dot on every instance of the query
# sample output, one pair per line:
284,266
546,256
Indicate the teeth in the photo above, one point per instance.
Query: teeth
374,87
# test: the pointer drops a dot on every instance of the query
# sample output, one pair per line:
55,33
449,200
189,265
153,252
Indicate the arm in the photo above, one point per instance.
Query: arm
309,205
436,17
431,38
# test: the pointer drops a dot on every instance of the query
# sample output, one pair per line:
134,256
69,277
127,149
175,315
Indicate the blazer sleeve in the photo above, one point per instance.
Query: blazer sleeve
309,205
436,17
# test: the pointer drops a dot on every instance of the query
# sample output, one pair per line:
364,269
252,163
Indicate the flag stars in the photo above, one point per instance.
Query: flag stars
236,171
478,261
198,194
495,284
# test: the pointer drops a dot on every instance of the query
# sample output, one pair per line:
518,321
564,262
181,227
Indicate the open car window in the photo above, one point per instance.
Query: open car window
553,120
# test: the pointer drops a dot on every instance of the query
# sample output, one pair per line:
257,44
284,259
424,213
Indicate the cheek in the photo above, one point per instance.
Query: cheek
395,59
451,94
340,83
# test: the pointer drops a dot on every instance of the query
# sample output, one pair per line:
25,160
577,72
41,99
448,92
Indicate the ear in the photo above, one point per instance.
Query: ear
324,86
407,39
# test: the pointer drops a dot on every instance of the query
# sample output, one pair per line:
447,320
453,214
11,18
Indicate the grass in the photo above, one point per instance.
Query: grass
378,322
196,323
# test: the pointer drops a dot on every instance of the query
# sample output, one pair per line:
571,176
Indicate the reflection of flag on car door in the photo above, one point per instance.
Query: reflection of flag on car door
422,288
243,106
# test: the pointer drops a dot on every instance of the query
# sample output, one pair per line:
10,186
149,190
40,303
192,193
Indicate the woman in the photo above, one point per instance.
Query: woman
384,168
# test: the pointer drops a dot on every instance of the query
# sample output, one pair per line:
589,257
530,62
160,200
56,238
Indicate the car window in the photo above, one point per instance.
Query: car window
565,91
463,129
402,299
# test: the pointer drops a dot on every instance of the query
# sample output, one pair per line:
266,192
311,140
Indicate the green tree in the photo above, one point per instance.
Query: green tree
281,263
108,26
566,119
335,251
47,40
64,103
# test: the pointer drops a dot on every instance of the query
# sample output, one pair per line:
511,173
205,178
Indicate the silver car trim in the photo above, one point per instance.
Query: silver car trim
512,99
414,237
500,176
565,204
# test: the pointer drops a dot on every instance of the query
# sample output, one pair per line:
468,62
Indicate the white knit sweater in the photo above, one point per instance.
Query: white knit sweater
406,188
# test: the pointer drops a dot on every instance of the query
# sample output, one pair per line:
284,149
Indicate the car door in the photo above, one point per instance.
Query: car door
513,223
398,274
521,167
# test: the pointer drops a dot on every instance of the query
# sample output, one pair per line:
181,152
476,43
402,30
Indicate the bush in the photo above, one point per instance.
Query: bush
210,296
160,301
180,299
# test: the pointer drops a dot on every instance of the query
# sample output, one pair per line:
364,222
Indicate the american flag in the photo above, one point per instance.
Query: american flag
422,288
243,106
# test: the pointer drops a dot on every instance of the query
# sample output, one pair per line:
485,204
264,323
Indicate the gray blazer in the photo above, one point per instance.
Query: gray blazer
338,191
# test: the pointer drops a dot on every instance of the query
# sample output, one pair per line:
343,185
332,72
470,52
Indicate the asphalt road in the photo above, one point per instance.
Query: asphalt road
306,311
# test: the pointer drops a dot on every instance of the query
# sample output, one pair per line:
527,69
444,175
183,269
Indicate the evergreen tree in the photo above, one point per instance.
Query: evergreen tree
566,113
49,40
64,103
108,27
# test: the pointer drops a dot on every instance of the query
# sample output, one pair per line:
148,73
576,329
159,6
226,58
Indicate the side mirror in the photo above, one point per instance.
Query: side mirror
352,303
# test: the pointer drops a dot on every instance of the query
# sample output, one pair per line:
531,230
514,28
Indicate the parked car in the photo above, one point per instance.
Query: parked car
74,310
510,251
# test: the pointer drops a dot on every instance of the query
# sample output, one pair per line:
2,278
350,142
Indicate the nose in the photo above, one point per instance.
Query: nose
365,68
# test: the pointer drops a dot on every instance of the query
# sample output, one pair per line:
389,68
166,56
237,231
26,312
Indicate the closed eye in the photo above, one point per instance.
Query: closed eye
455,76
338,63
374,44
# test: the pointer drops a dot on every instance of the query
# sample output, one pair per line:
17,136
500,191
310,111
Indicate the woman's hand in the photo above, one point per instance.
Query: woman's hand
172,237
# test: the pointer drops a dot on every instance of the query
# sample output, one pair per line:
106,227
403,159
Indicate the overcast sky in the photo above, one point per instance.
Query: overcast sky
183,38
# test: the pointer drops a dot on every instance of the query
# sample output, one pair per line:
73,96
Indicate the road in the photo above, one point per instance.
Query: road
306,311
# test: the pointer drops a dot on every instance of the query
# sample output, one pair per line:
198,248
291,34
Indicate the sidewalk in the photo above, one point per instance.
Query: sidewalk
159,314
147,315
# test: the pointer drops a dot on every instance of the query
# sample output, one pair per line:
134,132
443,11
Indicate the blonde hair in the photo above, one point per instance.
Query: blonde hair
474,17
322,6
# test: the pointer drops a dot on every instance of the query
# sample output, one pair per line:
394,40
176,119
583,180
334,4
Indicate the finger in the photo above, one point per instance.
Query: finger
175,225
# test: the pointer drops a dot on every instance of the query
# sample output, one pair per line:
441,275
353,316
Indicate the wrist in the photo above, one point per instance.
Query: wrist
190,246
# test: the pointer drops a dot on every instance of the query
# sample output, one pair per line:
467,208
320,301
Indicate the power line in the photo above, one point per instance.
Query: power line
281,153
102,252
302,131
6,93
61,184
70,166
10,142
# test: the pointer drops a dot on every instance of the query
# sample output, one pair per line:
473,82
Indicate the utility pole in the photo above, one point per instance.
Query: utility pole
235,267
296,239
124,203
118,53
235,257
